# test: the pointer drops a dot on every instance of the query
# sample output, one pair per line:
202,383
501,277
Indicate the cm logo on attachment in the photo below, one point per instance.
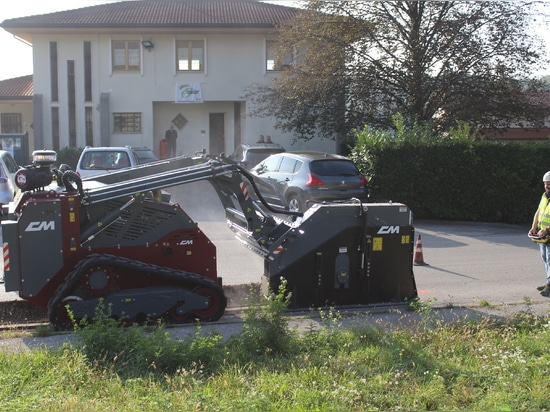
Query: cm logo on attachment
387,230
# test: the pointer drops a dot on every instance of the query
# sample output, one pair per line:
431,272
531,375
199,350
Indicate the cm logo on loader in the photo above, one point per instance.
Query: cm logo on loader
386,230
40,226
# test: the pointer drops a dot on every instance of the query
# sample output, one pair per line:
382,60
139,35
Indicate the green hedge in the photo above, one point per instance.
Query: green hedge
455,179
68,156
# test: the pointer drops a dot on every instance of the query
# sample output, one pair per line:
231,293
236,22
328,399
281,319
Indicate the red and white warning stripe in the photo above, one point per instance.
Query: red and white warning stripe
6,256
278,250
244,190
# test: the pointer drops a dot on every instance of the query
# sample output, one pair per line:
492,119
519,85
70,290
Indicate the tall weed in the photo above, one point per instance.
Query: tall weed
135,350
265,330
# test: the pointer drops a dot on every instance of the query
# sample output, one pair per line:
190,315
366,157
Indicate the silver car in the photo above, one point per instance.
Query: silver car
299,179
8,169
100,160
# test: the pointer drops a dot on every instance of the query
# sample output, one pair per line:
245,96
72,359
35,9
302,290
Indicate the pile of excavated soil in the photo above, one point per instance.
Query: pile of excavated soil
21,312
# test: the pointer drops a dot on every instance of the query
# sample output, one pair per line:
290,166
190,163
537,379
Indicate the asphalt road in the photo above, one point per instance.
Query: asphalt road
467,264
472,263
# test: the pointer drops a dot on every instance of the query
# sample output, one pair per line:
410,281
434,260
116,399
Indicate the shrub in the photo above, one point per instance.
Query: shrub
136,350
69,156
265,330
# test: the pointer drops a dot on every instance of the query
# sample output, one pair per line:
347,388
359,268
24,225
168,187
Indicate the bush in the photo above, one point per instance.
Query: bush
265,330
69,156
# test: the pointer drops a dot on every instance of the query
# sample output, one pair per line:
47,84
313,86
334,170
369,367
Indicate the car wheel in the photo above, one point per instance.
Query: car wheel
294,204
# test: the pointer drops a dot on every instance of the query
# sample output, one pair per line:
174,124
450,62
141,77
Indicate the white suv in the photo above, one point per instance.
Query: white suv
100,160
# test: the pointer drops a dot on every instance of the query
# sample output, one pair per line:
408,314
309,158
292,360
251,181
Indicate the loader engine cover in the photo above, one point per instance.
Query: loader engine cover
346,254
34,245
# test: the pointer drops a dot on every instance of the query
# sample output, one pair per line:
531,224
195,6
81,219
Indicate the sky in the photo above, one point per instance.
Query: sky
19,62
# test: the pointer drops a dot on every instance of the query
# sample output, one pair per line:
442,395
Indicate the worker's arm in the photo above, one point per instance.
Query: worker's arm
533,231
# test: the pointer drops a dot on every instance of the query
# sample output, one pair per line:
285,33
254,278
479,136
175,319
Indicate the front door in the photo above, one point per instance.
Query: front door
217,133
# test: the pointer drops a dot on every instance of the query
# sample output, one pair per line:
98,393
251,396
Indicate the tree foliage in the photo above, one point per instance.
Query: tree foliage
359,63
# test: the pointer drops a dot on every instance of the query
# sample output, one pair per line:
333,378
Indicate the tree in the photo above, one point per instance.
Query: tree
358,63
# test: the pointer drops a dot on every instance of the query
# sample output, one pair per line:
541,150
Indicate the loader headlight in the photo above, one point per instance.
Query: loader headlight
44,157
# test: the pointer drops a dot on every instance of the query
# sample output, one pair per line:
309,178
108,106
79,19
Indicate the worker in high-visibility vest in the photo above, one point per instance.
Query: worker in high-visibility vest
540,231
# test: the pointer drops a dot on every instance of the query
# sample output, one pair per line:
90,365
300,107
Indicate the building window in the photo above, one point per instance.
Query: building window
127,122
126,55
11,123
190,55
87,71
275,62
55,128
53,72
71,102
179,121
88,114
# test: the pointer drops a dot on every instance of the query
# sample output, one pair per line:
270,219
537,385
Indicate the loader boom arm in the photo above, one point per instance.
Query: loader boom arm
230,181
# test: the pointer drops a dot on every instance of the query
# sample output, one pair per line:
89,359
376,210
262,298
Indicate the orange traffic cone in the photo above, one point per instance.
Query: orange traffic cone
418,255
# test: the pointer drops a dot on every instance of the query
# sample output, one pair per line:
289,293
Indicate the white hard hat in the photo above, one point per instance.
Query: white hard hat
546,177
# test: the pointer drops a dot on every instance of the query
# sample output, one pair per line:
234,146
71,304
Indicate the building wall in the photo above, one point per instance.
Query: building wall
233,61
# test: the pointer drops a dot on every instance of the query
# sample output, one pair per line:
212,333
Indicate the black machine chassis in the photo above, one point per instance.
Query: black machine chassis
185,278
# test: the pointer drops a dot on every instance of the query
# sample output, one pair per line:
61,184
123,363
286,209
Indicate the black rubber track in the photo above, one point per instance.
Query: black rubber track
188,280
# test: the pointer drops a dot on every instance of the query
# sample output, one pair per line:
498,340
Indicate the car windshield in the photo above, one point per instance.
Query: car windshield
257,155
103,160
334,168
3,176
10,163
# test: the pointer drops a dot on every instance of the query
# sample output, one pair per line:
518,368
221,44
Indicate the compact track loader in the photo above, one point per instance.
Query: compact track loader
69,242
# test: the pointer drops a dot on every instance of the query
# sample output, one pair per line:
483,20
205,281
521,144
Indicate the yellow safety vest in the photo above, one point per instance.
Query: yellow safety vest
543,211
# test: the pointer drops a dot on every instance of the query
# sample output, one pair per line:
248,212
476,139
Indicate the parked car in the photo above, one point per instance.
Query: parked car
99,160
249,155
299,179
8,169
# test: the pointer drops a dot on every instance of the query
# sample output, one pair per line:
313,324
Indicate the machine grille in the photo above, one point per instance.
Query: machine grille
133,226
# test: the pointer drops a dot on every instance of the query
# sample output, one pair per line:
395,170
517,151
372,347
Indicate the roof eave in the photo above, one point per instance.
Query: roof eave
26,33
7,27
15,99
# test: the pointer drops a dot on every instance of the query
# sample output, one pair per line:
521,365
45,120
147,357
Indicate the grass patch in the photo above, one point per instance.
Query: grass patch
42,331
485,304
481,365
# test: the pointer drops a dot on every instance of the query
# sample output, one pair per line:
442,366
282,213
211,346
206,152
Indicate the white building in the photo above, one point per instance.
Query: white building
120,73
